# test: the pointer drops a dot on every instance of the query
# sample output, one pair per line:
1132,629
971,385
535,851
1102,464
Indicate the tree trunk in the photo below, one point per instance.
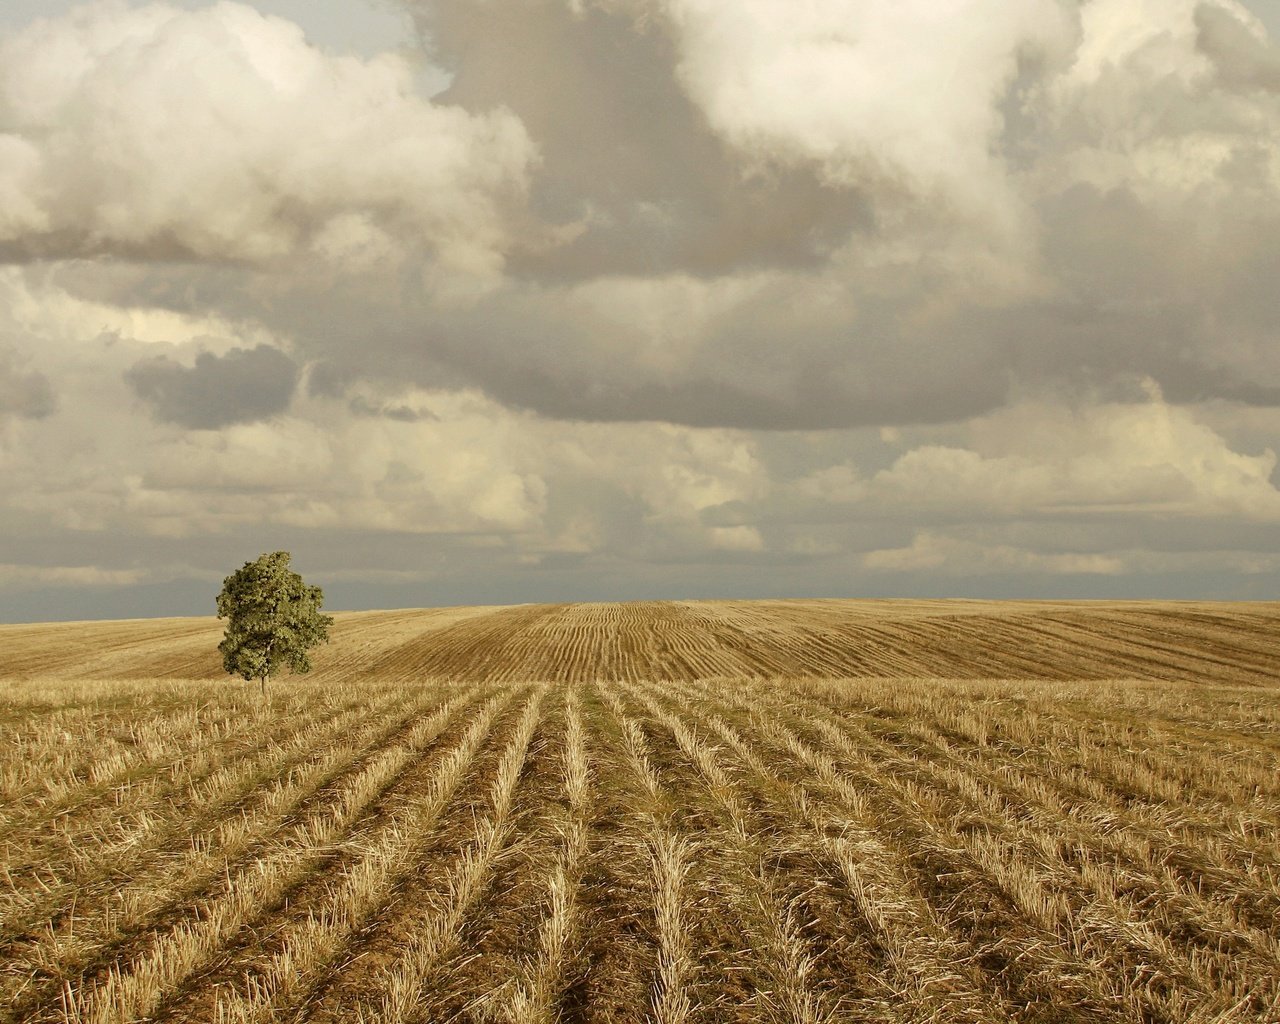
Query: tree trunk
267,670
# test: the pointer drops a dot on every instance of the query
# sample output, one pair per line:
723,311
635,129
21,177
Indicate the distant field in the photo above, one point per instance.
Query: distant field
690,640
792,812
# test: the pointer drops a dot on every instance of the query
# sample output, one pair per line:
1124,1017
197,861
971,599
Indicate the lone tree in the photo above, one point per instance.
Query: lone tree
273,619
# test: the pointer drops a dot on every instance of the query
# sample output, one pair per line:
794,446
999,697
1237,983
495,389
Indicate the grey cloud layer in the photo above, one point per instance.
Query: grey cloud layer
25,393
627,158
1240,57
240,387
709,214
1017,215
785,294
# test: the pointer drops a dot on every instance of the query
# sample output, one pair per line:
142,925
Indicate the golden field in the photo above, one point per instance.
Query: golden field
786,811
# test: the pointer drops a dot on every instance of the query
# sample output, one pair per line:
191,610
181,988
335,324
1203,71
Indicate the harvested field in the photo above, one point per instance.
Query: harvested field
693,812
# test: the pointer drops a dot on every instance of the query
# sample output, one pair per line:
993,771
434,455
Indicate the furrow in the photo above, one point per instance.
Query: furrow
1133,964
164,882
784,988
149,759
95,858
136,987
398,990
930,973
674,975
536,992
307,947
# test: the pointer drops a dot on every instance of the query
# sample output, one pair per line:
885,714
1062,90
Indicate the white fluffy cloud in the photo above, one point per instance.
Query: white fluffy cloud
868,89
1043,459
954,556
220,134
1158,99
401,460
933,552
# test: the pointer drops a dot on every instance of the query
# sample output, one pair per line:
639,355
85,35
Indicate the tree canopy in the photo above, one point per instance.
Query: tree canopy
273,619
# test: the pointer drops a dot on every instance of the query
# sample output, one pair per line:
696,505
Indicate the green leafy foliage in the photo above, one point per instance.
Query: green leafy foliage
273,619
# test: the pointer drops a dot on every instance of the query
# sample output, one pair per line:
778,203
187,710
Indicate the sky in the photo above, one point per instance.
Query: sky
547,300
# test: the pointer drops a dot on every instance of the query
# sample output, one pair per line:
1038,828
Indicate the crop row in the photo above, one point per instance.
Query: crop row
784,851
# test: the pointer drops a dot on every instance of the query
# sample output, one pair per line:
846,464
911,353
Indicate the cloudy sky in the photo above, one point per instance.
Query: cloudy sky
463,301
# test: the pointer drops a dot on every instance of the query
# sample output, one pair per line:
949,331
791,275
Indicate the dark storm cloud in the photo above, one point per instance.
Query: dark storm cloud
624,151
763,365
325,380
361,406
24,393
243,386
1242,60
1143,294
